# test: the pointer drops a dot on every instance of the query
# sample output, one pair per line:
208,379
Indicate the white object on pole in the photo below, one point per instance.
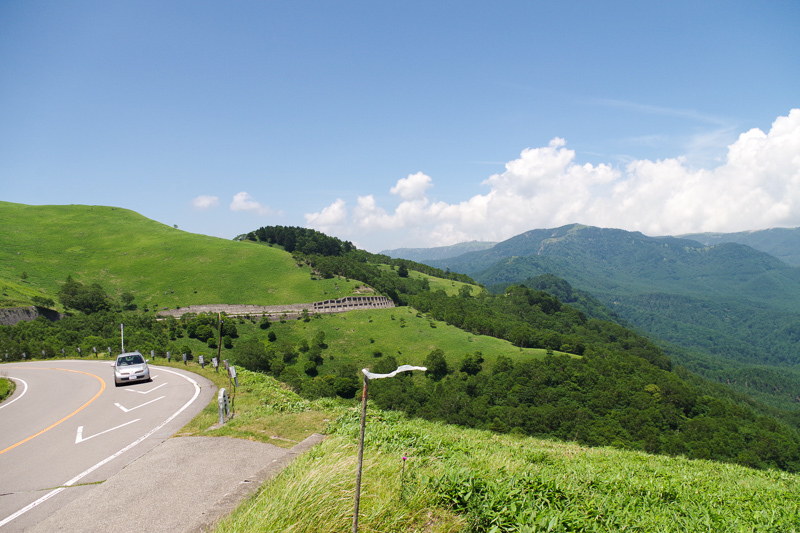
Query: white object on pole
402,368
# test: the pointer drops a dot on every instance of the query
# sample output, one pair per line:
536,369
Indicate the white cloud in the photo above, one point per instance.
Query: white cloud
330,219
205,202
413,187
756,186
242,201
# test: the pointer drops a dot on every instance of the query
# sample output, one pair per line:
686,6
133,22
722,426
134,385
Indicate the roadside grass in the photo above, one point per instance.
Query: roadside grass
161,265
457,479
264,409
6,387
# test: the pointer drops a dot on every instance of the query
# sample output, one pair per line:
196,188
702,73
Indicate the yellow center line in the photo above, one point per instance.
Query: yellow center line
76,411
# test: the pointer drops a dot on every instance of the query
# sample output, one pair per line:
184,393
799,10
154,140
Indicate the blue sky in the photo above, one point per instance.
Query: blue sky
406,123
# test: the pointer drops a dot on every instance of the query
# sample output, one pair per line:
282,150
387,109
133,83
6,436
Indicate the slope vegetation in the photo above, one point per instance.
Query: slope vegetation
162,266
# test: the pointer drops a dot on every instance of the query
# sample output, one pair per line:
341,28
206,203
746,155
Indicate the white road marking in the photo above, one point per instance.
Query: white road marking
138,406
79,436
110,457
145,391
24,390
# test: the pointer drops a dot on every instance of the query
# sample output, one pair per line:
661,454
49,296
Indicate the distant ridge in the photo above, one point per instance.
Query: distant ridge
439,252
783,243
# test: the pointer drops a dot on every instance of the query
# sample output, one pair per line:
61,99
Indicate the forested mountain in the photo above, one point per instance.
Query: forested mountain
731,305
438,252
783,243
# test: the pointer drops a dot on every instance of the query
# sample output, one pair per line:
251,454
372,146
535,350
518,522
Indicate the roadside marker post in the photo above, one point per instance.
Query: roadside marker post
368,376
223,405
202,362
169,357
184,359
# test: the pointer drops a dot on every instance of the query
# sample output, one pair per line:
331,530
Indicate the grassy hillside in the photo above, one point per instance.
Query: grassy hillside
162,266
429,477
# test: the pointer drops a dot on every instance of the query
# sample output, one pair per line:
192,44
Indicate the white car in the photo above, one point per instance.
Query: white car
130,367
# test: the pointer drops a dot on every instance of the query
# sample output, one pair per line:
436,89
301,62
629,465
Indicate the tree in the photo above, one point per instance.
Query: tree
41,301
402,270
75,295
472,364
127,301
436,365
204,332
319,340
252,355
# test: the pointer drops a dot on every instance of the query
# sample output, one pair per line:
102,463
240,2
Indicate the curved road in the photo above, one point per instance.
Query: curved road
67,428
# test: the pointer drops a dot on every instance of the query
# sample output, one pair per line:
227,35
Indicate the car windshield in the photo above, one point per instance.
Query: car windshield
130,360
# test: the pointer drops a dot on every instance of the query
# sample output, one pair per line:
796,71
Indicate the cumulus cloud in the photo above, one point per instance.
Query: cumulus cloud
242,201
756,186
205,202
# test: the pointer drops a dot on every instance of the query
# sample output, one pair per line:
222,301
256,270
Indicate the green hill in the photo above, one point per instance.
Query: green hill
162,266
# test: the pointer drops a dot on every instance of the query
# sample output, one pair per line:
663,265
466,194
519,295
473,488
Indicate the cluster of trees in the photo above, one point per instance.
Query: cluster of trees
280,357
303,240
88,299
613,399
81,334
534,319
331,256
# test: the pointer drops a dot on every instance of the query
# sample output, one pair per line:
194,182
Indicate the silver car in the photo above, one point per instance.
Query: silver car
130,367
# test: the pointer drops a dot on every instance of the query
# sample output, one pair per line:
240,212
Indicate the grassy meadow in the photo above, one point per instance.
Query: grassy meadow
161,265
456,479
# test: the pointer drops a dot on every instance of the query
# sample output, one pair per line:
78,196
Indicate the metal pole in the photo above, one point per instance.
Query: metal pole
219,345
360,453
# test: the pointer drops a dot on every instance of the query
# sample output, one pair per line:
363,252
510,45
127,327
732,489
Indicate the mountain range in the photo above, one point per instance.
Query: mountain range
726,310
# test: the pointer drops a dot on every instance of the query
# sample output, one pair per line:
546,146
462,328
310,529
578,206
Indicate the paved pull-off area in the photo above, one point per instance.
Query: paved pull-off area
183,485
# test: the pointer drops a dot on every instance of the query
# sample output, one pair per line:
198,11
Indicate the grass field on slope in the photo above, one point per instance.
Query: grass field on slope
421,476
162,266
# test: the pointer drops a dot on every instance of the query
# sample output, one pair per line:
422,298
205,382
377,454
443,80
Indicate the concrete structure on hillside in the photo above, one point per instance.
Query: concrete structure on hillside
289,311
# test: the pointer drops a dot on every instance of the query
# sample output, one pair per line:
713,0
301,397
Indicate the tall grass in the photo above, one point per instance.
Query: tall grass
465,480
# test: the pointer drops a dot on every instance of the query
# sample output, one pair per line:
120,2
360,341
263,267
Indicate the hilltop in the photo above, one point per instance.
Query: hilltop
439,252
160,265
783,243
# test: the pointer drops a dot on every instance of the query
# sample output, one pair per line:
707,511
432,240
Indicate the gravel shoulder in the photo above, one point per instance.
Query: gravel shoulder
183,485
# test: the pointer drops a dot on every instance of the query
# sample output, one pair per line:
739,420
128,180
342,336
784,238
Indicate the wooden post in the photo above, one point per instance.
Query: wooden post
360,453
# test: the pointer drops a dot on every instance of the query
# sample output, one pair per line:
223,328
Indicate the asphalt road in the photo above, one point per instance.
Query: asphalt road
67,428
